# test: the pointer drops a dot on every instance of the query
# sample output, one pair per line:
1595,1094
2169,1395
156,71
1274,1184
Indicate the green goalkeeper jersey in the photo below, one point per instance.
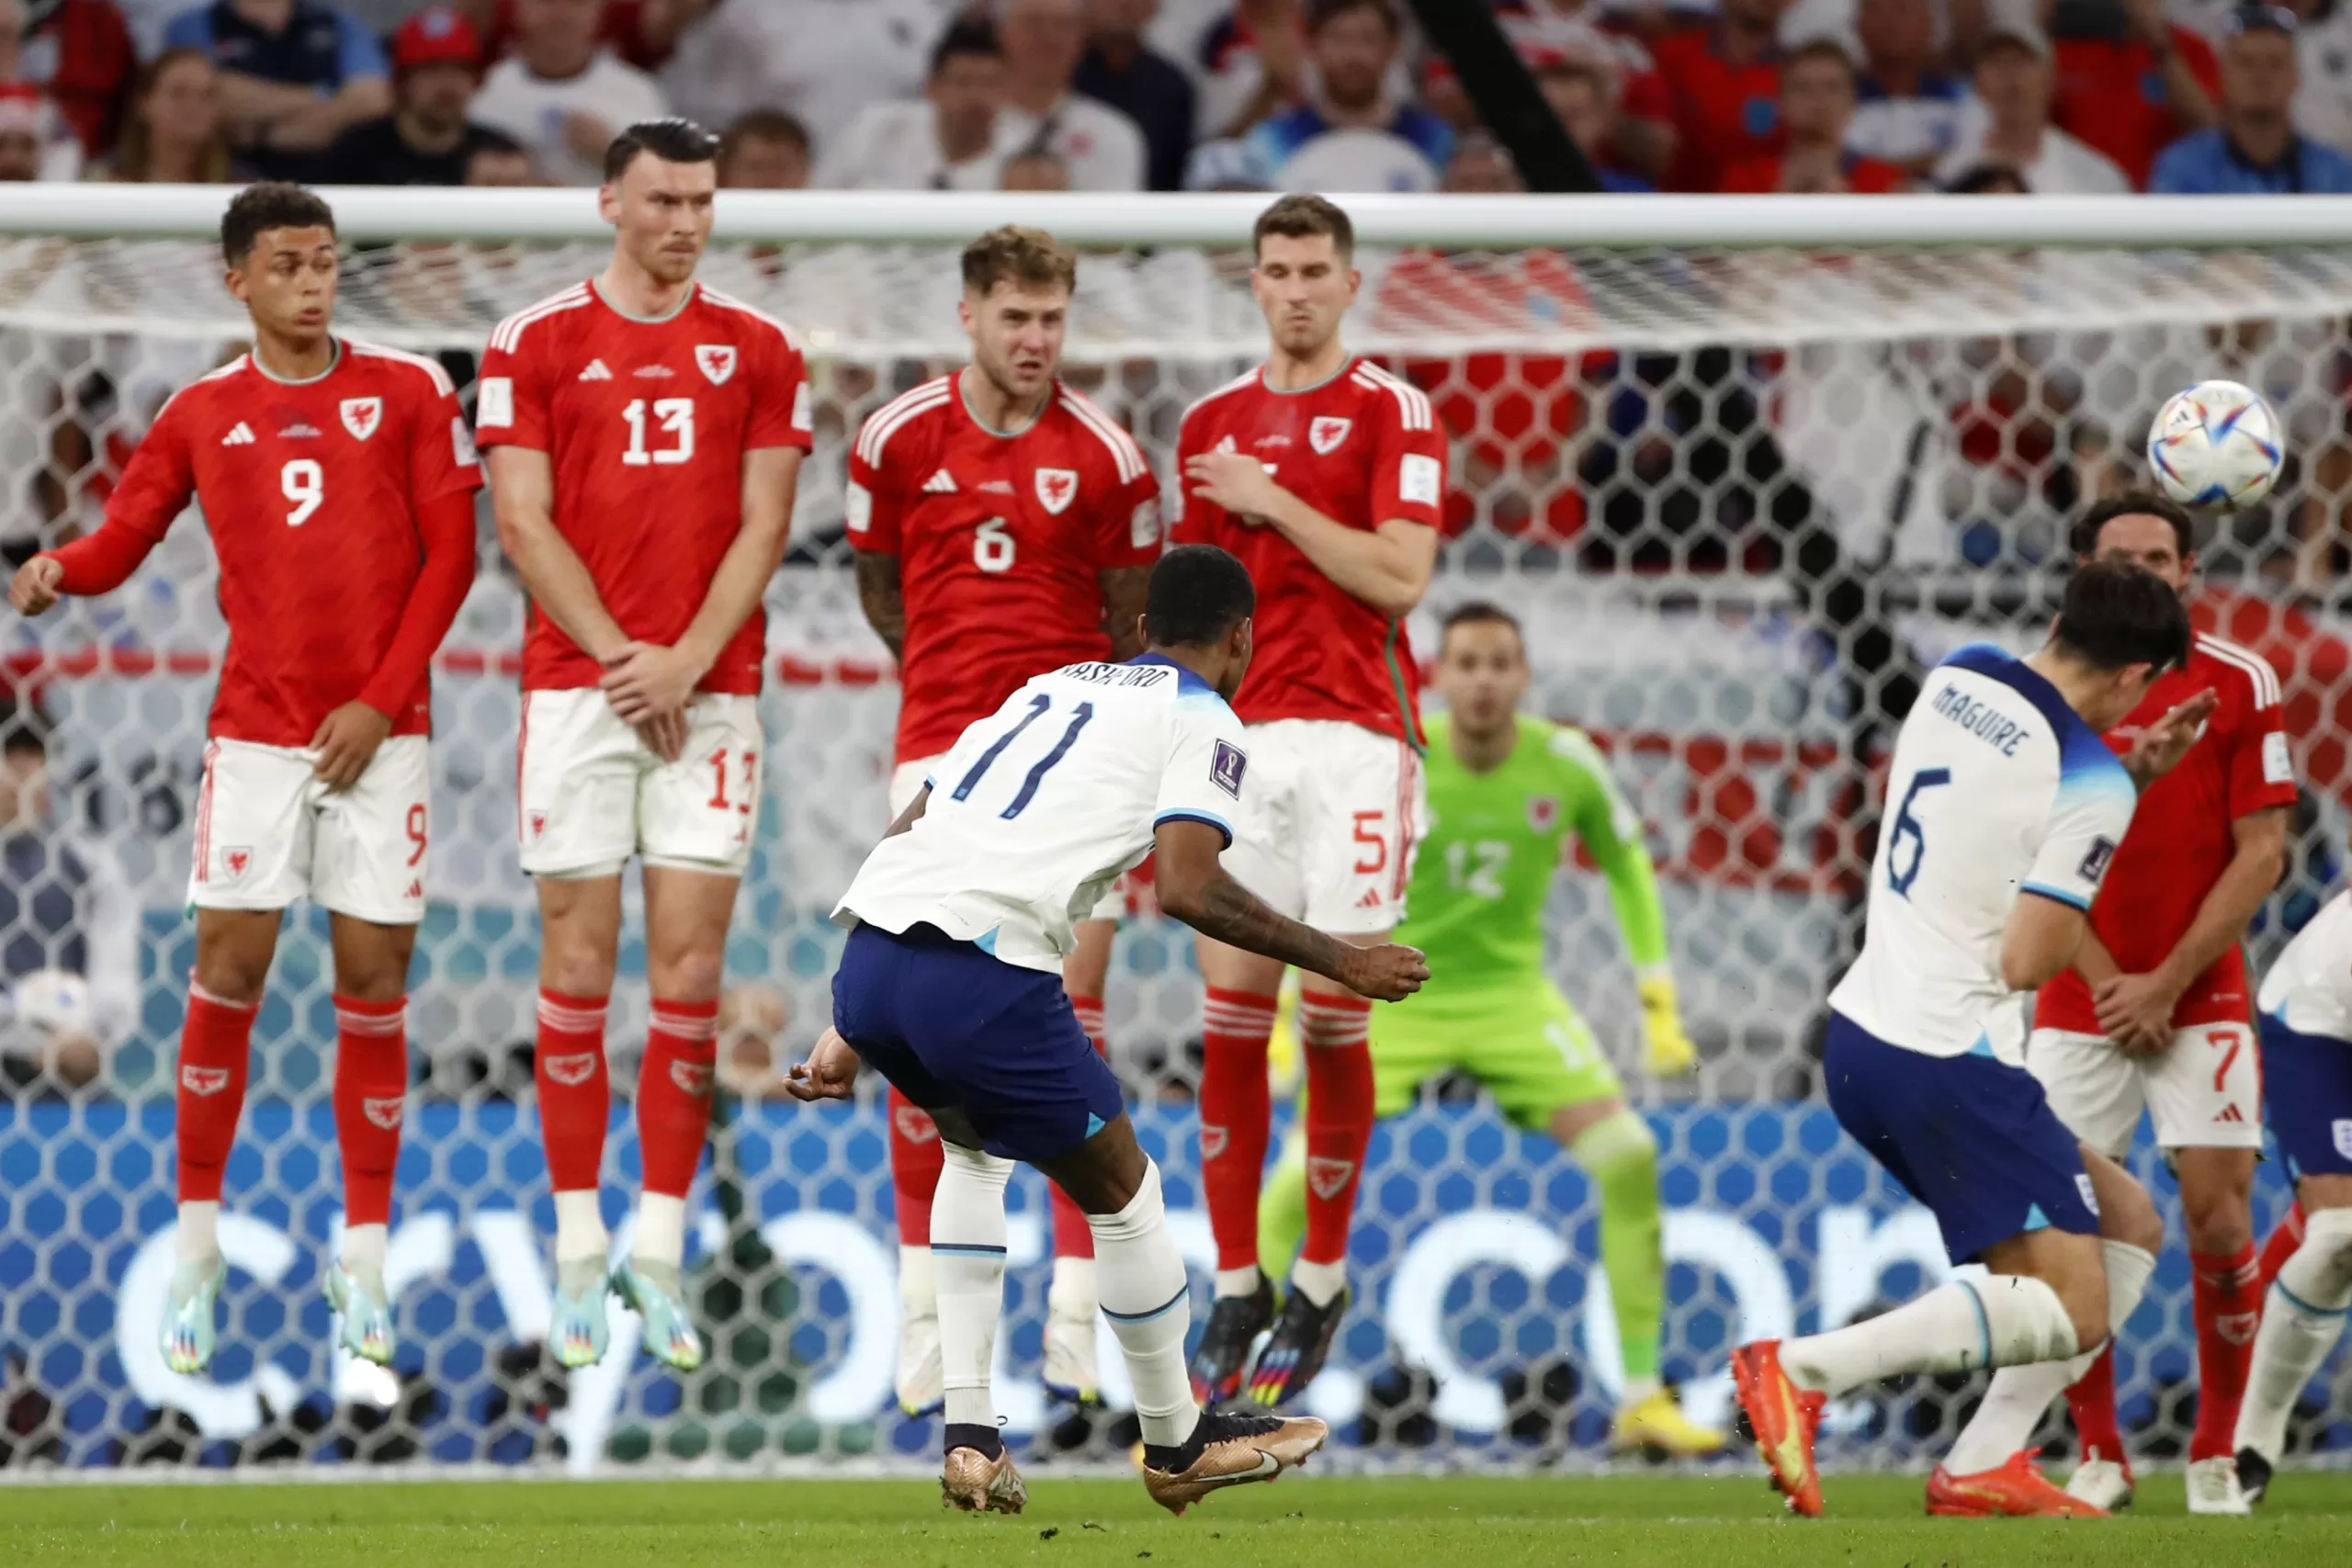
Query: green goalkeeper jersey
1485,866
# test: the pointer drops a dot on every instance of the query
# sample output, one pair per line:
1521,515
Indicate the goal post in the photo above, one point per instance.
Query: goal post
1745,467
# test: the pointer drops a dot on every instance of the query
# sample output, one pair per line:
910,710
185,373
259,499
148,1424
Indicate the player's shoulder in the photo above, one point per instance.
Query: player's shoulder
412,372
1564,743
906,412
532,326
222,381
1984,688
1230,398
750,317
1386,394
1099,433
2236,668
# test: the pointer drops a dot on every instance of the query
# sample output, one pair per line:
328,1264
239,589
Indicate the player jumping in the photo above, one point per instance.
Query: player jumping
2307,1053
1325,475
645,434
336,479
1004,526
2157,1013
950,987
1506,791
2006,807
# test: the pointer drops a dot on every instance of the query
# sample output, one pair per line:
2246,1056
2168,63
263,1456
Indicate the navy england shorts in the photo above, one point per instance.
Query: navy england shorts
951,1026
2307,1081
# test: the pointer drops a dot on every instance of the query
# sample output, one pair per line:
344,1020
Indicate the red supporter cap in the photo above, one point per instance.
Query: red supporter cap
437,34
21,110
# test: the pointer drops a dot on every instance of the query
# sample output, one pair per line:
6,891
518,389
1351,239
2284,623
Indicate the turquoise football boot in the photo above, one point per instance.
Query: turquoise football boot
652,1289
359,1295
580,1332
188,1334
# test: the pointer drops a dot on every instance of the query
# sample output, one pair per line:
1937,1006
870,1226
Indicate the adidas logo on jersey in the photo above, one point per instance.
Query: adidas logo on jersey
595,372
940,483
241,437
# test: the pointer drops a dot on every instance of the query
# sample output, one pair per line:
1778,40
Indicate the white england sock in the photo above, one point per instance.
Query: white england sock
1999,1321
2300,1321
968,1272
1139,1278
2013,1406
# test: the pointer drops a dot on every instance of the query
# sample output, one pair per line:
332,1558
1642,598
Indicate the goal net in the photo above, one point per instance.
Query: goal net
1745,469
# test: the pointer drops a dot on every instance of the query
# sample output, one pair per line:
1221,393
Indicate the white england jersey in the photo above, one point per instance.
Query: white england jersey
1040,807
1998,789
2309,986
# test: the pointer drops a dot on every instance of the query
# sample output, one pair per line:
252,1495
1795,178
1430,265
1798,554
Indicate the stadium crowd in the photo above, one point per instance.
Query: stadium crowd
2056,97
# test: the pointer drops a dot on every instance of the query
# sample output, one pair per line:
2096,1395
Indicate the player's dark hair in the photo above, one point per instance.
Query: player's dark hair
1320,12
673,140
1198,594
272,204
1026,258
2133,503
1303,218
1479,613
968,36
2116,613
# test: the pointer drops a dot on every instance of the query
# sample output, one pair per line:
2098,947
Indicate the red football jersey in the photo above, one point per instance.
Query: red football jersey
1761,176
2109,94
646,424
1001,543
1723,112
311,491
1362,448
2180,840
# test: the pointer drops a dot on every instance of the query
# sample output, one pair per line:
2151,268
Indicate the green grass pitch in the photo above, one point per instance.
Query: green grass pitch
1302,1522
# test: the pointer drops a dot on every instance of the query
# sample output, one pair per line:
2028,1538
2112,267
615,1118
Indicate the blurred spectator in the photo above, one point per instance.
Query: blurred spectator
2256,150
1584,94
60,155
2323,54
173,134
80,53
2013,85
294,75
427,139
499,160
1816,110
1640,118
1723,81
1099,146
642,33
560,95
823,60
1035,171
24,126
1120,70
1988,179
944,141
1481,166
765,150
1252,65
2128,80
1352,136
1909,112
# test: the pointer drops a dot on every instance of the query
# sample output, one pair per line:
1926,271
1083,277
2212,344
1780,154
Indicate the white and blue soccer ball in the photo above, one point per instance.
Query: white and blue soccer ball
2217,445
50,1001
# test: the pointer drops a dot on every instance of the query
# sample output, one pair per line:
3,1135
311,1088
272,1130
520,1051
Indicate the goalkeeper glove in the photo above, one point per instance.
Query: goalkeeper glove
1670,1050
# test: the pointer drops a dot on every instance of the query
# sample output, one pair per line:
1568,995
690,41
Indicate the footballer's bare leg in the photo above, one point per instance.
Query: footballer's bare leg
234,949
1070,1369
2217,1210
580,924
1187,1453
371,965
686,913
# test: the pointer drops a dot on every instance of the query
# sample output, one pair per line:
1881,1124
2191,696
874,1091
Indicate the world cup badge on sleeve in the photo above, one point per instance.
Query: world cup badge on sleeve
1227,766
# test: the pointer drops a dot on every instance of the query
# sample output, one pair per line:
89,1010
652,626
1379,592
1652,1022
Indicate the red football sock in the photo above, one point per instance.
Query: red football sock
216,1045
371,1094
2092,1400
575,1097
674,1093
1237,1115
2226,1298
1073,1237
915,1161
2279,1247
1338,1117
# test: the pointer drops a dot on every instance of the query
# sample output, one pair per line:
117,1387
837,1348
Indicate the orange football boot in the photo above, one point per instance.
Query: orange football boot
2018,1490
1784,1419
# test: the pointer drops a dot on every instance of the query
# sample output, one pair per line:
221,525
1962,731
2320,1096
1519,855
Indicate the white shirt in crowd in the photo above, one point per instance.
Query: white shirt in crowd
895,146
1999,791
532,110
2065,166
1099,146
822,60
1040,807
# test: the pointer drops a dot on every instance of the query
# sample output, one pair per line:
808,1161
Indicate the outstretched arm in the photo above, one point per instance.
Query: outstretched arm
1194,888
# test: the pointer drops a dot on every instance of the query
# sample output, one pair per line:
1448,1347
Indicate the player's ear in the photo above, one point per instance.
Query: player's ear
608,201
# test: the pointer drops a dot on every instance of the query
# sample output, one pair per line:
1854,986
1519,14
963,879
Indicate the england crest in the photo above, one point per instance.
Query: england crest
1057,487
362,416
717,360
1326,433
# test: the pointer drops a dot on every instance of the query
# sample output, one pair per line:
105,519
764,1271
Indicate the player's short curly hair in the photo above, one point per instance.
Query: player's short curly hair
1303,218
2133,503
2116,613
1198,594
1026,258
272,204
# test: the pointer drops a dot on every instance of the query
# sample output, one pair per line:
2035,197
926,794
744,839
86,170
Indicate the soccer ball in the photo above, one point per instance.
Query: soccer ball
2216,444
49,1000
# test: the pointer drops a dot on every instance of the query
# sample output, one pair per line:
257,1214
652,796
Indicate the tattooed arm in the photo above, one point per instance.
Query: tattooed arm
879,596
1195,890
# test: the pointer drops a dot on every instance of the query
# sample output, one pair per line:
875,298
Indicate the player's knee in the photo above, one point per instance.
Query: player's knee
2327,1237
1618,1147
232,958
694,975
2082,1292
2217,1220
575,968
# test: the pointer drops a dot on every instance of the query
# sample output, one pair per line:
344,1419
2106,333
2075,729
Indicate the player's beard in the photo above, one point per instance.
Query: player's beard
1001,375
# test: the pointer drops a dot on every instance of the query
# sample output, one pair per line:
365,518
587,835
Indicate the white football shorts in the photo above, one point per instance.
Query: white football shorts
268,833
2204,1090
1332,816
592,795
907,781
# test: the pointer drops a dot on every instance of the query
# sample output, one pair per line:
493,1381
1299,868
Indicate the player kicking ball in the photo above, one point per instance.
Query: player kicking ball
645,434
1325,475
1004,526
336,479
950,987
2006,807
1505,793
